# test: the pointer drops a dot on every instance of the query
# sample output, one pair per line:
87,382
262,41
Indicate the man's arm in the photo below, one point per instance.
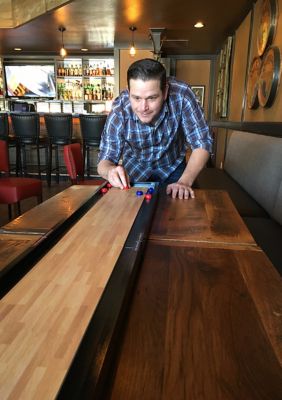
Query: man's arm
115,174
183,188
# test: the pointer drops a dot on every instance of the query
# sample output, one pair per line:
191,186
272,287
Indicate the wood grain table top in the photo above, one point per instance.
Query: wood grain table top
52,212
204,323
209,218
44,317
14,246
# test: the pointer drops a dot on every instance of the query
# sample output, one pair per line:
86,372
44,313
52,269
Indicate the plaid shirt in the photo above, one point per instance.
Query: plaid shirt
157,149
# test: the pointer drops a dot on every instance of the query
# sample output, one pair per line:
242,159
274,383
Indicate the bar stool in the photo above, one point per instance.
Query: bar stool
91,127
4,126
26,127
59,130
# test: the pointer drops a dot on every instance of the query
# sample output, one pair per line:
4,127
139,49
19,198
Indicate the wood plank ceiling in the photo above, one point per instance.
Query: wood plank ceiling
101,25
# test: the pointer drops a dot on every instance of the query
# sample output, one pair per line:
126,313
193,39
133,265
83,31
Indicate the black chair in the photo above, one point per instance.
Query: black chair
59,129
91,127
4,127
26,127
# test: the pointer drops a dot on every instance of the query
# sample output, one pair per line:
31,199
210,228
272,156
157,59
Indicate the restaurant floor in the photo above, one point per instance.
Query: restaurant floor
29,203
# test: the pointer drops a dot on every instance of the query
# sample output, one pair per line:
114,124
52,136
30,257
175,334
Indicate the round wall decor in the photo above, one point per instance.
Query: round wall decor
267,25
253,83
269,76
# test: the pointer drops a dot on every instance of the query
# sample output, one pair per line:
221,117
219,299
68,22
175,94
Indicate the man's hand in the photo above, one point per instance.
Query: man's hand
118,177
180,190
115,174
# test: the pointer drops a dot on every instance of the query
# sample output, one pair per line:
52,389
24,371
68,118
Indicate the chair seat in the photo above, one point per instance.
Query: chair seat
91,142
13,189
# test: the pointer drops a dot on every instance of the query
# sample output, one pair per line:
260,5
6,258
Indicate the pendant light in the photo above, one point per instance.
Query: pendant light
63,51
132,50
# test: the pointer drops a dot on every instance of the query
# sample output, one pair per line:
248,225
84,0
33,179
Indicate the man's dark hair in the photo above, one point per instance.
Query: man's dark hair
147,69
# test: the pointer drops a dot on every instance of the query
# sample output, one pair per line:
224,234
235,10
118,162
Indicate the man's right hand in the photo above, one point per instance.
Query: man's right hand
117,176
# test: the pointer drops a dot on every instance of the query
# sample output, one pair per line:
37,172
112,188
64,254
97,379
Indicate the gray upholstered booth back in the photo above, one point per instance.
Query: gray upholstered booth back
255,162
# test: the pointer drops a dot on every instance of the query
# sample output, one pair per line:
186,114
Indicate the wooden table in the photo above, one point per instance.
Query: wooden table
204,323
210,218
30,232
14,246
205,318
51,213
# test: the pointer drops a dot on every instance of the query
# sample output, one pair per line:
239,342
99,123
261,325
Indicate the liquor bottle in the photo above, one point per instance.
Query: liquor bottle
104,70
99,92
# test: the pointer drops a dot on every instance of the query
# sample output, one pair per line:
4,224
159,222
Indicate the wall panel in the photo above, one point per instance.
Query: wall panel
195,72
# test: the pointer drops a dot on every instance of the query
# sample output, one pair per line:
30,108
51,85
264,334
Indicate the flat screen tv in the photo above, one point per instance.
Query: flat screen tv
30,81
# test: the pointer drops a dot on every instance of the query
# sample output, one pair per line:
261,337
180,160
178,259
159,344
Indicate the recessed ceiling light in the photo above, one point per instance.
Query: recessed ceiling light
17,49
84,49
199,24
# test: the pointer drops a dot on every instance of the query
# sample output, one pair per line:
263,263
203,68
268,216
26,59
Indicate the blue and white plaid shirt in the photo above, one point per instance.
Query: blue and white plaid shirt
157,149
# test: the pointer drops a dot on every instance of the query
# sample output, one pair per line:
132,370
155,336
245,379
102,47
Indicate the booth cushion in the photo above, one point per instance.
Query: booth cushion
255,162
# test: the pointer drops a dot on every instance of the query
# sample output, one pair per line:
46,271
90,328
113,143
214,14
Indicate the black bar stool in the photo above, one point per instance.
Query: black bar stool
91,127
59,130
26,127
4,127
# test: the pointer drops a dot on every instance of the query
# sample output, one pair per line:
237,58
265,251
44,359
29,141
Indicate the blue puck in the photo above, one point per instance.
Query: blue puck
139,193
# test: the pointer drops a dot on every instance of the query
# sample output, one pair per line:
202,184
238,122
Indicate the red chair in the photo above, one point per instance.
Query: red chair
75,166
12,189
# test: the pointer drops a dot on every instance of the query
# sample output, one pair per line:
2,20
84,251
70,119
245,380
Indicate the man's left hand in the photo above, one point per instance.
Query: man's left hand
180,190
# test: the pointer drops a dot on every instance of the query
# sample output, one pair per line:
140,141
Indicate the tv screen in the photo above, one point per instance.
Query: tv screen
30,81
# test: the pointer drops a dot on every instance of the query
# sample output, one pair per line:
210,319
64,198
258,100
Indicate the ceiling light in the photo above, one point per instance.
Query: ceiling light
132,50
199,24
18,49
84,49
63,51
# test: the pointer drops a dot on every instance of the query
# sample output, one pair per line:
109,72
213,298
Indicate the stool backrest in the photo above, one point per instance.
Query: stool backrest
4,157
4,126
26,126
59,127
91,127
74,161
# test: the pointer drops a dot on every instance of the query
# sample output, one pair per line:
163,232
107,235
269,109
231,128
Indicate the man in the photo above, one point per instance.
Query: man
150,127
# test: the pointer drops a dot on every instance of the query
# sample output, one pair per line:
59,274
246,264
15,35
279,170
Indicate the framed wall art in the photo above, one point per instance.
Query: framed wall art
223,79
267,25
199,92
269,76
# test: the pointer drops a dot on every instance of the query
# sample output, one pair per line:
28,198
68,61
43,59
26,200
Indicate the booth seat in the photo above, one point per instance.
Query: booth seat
252,175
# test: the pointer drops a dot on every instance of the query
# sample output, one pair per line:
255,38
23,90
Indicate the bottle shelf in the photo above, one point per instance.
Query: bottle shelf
90,80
